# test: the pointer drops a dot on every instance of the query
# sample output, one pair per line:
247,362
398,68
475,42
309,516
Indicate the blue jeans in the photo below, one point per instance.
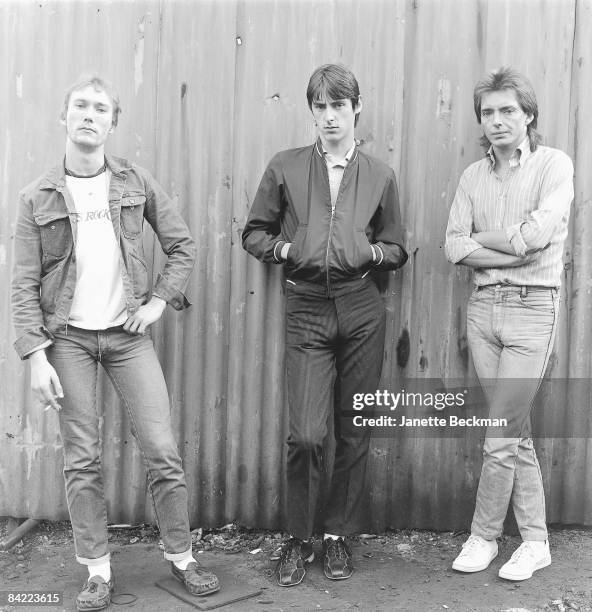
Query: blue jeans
511,332
133,368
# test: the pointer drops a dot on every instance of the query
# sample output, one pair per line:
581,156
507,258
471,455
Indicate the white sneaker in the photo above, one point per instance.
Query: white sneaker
476,555
527,559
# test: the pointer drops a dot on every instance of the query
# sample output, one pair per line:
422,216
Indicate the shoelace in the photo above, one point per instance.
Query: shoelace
288,549
524,550
336,548
471,544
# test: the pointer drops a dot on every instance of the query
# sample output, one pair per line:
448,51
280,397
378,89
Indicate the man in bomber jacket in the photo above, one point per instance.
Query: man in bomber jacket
330,214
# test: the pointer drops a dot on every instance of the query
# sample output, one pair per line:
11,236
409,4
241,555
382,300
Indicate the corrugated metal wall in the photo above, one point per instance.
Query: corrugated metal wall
210,91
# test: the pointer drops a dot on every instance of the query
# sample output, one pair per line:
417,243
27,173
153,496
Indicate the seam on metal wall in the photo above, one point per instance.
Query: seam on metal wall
232,505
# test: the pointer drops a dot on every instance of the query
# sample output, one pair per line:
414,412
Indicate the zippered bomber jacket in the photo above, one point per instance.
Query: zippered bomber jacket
44,274
330,245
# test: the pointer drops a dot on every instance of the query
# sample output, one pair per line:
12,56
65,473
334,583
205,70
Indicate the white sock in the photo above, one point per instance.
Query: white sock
331,536
537,543
295,538
100,569
183,563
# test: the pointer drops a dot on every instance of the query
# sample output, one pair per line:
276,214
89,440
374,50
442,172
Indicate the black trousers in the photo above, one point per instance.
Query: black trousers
334,349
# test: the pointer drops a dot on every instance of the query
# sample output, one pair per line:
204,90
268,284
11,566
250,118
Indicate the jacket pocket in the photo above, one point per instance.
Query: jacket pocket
56,234
294,258
132,215
357,256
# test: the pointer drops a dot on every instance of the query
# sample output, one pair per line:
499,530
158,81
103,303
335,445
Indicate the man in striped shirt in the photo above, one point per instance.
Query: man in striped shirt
508,222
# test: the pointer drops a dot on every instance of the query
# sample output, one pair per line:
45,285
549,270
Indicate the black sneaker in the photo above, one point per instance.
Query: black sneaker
338,559
290,568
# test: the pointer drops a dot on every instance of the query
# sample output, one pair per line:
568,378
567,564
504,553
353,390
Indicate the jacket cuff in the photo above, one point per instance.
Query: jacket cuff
277,250
33,340
38,348
379,255
163,289
403,256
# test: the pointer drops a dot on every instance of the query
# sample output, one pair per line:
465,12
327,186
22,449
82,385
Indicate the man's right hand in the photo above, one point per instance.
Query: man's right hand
45,383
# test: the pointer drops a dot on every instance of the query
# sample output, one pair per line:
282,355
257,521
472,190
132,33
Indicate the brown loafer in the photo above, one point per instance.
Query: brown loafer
197,580
95,594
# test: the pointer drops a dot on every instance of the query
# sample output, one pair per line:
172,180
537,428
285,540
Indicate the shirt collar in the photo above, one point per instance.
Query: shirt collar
519,157
333,161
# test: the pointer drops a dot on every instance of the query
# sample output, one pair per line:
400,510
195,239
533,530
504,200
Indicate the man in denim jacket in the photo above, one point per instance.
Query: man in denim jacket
80,298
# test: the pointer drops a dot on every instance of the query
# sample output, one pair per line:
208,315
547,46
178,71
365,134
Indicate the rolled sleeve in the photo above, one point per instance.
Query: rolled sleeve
459,243
170,294
557,193
515,239
28,352
33,340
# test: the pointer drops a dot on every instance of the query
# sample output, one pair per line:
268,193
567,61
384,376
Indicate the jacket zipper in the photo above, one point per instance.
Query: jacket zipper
333,204
328,246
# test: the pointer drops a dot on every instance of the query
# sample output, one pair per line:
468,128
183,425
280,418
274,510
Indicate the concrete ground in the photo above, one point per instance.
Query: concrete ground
406,571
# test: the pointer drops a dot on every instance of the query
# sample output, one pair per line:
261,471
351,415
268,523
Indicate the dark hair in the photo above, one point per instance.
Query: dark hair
334,81
508,78
100,84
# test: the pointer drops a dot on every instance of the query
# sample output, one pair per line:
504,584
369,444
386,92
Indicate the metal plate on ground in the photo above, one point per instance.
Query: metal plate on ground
231,590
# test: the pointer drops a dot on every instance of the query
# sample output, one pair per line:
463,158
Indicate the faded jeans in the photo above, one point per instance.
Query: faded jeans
133,368
511,332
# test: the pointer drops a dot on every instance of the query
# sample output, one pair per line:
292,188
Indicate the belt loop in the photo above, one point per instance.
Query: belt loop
523,291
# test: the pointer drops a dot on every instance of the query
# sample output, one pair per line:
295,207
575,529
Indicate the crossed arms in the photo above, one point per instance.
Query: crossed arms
517,244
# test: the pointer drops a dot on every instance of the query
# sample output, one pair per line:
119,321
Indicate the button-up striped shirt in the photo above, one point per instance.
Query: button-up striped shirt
531,203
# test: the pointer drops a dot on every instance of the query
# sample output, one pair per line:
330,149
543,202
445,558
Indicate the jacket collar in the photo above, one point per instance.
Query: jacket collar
56,177
320,151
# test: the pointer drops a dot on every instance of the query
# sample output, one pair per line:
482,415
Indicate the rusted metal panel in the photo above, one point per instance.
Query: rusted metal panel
572,466
210,91
194,157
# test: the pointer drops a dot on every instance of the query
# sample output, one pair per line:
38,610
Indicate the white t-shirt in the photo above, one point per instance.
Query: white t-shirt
99,299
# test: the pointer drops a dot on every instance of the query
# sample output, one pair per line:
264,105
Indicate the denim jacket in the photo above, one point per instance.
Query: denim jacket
44,274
